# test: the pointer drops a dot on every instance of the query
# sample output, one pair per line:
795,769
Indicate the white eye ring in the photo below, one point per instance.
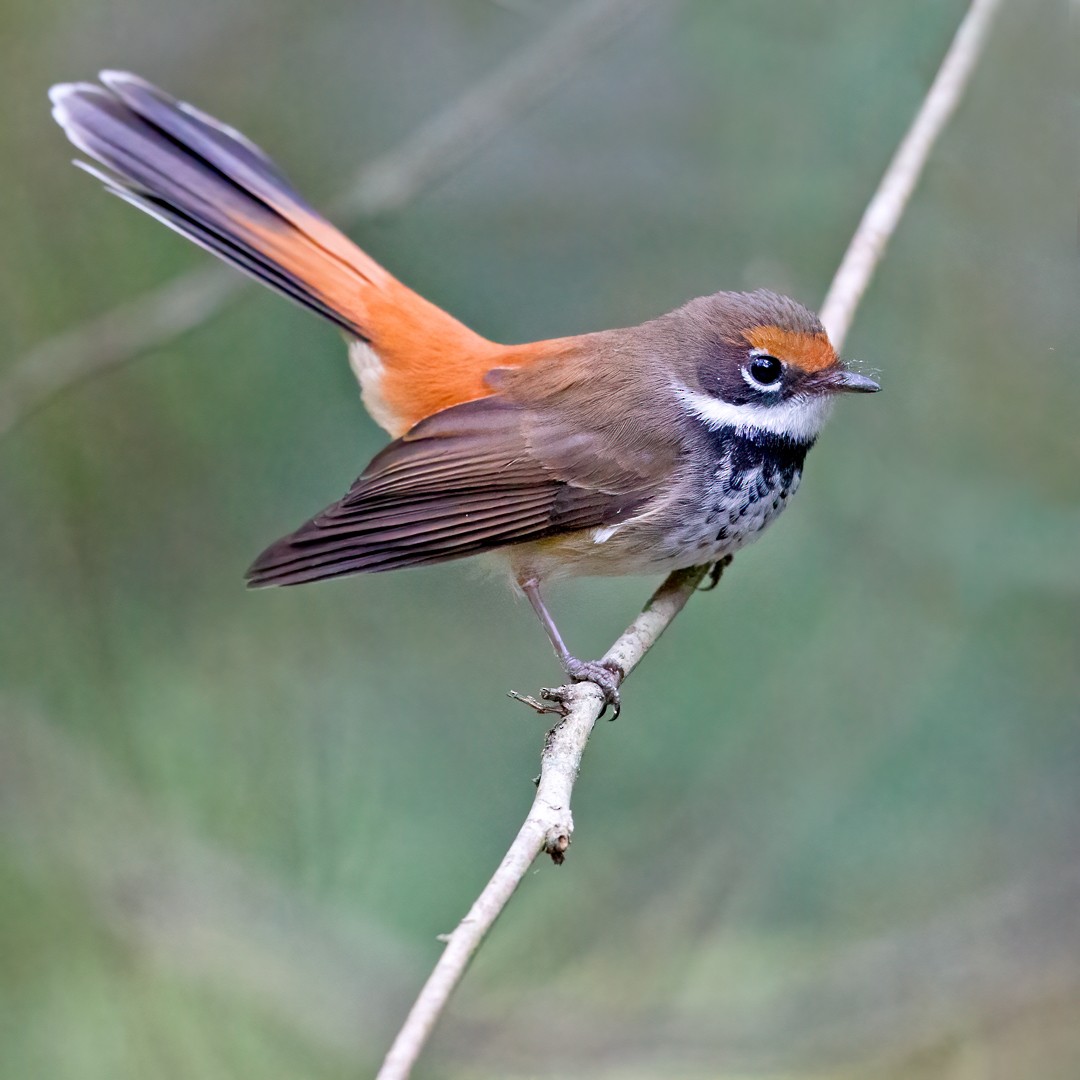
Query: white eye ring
755,384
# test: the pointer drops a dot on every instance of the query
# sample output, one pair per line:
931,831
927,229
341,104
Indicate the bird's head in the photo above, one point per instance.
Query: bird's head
760,362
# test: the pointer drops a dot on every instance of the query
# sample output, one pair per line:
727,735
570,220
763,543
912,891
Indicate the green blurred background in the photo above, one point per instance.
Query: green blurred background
835,832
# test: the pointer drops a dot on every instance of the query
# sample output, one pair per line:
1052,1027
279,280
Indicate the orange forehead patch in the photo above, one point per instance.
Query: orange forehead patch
811,352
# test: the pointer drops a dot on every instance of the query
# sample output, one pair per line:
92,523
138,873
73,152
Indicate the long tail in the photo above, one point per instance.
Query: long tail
208,182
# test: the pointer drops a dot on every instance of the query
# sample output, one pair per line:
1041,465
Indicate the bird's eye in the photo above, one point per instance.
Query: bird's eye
764,371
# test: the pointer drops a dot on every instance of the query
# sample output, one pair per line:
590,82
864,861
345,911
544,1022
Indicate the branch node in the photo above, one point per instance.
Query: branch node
536,706
555,844
549,826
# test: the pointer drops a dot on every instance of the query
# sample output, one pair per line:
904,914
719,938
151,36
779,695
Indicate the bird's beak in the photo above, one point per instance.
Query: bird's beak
842,381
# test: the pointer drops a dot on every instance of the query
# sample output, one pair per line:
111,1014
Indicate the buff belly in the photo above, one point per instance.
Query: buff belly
729,513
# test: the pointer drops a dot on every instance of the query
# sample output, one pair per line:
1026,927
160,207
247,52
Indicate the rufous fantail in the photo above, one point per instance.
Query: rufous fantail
635,451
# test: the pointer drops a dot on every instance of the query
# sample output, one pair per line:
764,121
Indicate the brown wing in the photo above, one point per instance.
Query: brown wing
469,479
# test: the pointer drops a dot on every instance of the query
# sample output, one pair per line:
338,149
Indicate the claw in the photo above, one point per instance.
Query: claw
606,676
716,572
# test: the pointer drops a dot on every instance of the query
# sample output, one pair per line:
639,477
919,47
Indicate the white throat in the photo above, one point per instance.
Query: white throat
798,419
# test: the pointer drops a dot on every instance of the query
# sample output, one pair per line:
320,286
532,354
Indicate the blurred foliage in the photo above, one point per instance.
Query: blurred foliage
831,834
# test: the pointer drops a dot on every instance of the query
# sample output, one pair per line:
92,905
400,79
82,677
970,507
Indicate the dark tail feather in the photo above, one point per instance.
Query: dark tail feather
214,186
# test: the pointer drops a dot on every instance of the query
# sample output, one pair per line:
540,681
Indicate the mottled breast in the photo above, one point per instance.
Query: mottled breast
743,482
733,485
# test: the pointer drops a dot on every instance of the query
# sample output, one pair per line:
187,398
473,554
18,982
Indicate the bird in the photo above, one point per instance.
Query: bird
639,450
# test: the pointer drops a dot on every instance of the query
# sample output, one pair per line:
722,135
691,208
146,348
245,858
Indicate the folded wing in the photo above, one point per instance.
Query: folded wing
472,478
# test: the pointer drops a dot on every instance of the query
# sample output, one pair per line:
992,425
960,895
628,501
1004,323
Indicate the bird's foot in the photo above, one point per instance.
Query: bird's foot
553,699
716,572
605,675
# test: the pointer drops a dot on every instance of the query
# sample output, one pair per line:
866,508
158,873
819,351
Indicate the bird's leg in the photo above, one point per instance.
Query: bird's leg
605,676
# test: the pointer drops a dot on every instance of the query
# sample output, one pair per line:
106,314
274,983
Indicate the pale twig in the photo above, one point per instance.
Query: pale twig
188,909
885,209
450,138
549,825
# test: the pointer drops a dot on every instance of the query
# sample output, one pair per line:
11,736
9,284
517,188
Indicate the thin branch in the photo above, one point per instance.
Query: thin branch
189,909
549,825
109,340
453,137
883,212
450,138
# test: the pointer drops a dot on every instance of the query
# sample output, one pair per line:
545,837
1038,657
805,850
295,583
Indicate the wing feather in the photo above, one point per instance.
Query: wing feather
469,479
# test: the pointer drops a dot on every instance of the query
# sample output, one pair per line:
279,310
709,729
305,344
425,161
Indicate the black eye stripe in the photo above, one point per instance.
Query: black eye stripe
764,369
